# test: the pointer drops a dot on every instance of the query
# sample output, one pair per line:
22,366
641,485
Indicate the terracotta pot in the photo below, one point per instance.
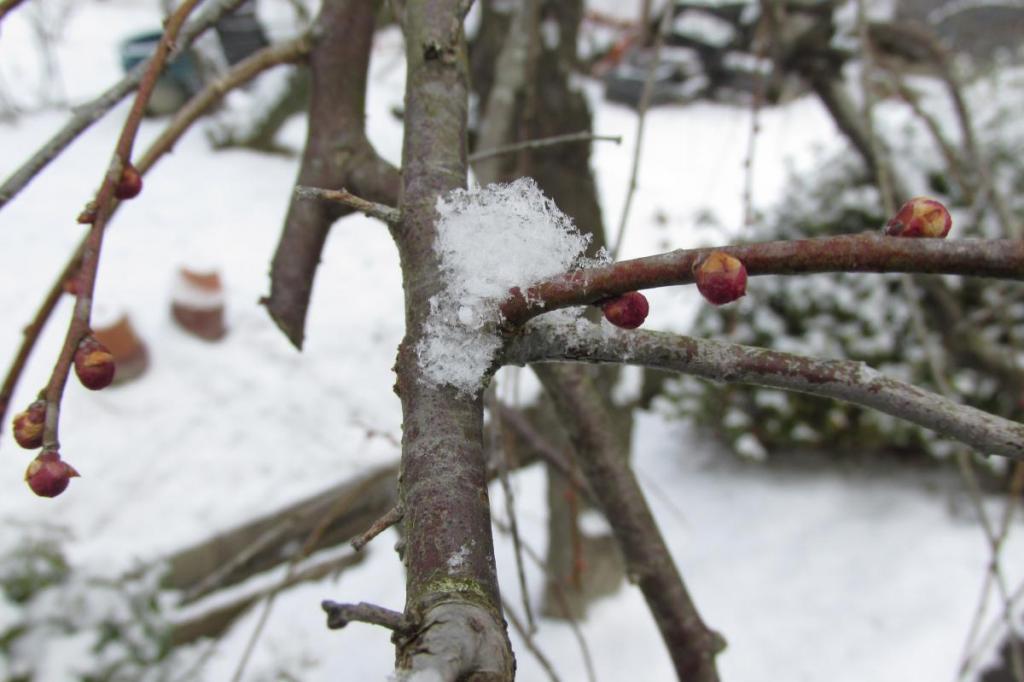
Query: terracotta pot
131,357
197,304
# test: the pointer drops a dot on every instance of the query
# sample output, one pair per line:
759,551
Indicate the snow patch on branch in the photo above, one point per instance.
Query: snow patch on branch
490,240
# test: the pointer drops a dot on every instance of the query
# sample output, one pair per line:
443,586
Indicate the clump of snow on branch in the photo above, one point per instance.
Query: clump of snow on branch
490,240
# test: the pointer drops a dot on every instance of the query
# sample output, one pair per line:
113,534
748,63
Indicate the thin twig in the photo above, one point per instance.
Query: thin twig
846,380
87,114
882,170
393,516
388,214
528,640
307,547
760,54
691,644
582,136
966,658
215,578
643,106
340,615
543,447
240,74
933,353
994,569
104,208
563,602
501,446
31,334
510,78
866,252
286,52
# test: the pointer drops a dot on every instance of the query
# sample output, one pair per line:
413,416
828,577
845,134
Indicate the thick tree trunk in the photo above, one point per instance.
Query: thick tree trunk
451,584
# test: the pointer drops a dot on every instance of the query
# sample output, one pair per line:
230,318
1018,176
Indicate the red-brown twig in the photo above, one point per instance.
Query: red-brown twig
90,112
104,208
642,107
1003,259
242,73
32,332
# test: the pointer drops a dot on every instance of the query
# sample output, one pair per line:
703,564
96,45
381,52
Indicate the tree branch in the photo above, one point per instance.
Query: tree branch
337,154
864,252
340,615
392,517
846,380
87,114
540,143
242,73
388,214
691,644
80,323
451,581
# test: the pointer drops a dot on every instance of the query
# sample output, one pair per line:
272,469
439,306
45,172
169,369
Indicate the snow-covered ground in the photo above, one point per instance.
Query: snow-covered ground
810,575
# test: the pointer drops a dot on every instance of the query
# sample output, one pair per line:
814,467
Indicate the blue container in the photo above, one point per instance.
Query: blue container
179,80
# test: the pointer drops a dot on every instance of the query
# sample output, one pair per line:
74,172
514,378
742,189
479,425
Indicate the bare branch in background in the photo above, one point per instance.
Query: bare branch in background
691,644
87,114
582,136
337,154
643,106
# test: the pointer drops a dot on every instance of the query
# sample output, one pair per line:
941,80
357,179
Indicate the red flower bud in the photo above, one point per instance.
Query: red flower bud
920,217
28,425
627,311
720,278
48,475
94,364
130,184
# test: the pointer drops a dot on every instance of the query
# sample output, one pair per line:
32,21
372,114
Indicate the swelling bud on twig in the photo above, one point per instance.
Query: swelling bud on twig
720,278
920,217
94,364
130,184
627,311
48,475
28,425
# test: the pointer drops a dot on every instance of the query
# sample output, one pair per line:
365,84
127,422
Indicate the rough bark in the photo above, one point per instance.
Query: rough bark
337,154
451,584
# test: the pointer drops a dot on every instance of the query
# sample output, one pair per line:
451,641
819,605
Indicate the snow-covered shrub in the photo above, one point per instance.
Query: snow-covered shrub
868,316
60,624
